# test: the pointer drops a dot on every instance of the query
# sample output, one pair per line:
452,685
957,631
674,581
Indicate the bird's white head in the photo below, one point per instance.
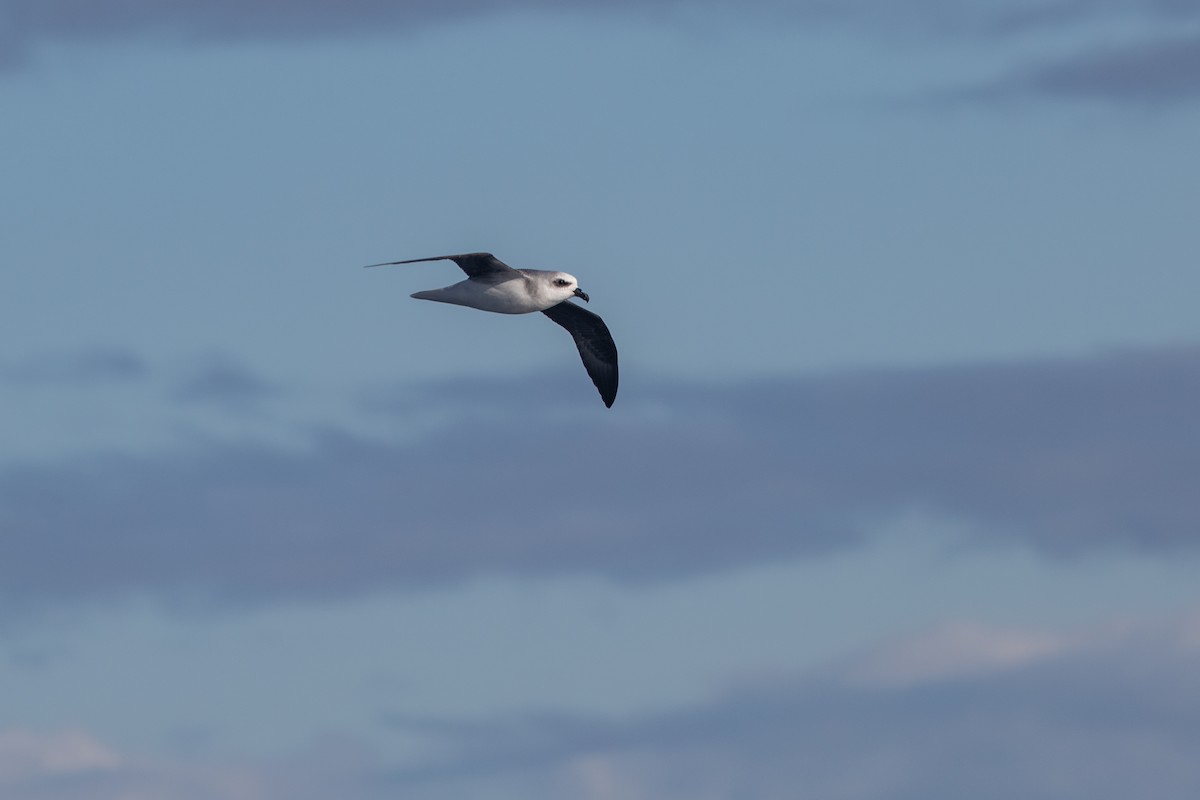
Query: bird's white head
564,286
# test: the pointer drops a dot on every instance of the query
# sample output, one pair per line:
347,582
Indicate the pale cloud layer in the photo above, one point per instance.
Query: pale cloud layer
1104,714
32,755
953,650
83,368
1109,713
203,19
221,382
1158,69
1155,71
1065,456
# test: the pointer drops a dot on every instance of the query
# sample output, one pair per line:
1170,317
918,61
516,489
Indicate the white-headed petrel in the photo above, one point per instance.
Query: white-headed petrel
492,285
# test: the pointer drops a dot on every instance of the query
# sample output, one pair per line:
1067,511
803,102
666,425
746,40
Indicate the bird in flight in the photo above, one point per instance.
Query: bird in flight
492,285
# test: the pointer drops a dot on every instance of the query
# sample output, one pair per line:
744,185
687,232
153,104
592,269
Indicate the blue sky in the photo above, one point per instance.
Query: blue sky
897,499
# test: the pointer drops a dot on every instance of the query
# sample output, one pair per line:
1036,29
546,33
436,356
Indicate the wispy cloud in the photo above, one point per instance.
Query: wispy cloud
84,367
27,21
222,382
1066,456
26,754
75,764
954,650
1153,72
1159,71
1104,714
1006,18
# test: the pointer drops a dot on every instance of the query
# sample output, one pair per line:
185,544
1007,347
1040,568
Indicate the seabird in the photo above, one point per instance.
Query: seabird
492,285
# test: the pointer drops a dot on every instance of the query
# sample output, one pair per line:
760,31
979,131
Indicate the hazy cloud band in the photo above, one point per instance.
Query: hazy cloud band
1066,456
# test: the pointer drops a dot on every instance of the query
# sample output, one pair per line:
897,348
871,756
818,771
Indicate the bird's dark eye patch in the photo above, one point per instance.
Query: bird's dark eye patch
561,281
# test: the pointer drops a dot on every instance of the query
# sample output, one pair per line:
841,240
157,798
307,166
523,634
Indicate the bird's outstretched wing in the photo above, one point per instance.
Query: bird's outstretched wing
595,343
476,265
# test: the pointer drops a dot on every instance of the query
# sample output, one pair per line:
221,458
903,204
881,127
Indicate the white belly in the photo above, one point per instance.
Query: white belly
509,297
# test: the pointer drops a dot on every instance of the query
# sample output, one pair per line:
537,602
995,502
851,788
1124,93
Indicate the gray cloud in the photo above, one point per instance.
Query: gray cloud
85,367
1108,717
27,21
75,765
214,380
1067,456
1157,72
207,21
224,383
1009,18
1153,72
1108,714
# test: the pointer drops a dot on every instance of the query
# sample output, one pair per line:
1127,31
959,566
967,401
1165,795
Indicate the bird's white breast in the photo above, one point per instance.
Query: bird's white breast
507,297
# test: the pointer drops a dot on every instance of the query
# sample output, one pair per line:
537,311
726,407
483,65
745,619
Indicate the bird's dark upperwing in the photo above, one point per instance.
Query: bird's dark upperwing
595,343
476,265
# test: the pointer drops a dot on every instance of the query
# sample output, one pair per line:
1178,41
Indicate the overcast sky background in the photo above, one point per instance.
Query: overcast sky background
898,498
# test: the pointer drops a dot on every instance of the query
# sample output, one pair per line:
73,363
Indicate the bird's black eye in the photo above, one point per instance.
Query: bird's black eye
561,281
